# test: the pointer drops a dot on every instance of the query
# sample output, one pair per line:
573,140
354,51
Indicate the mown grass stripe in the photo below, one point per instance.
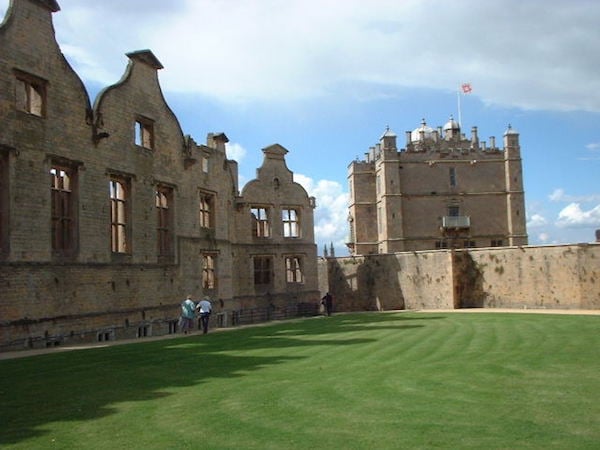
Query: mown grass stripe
372,380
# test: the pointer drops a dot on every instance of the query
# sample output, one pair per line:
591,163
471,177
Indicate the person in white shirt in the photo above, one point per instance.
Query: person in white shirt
204,308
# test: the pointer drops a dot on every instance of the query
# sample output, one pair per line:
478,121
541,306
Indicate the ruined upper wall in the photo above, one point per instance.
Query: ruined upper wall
276,188
44,120
137,101
29,53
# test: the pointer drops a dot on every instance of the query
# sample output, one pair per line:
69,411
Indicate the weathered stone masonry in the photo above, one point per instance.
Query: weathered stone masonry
110,214
549,277
441,191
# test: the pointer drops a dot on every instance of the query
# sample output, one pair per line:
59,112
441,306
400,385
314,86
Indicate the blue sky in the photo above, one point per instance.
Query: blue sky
324,79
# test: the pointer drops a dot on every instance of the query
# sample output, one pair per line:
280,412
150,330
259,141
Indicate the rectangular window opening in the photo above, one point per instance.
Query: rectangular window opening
104,336
143,331
144,133
164,211
208,272
260,222
452,173
291,223
206,210
263,274
119,215
30,94
4,203
453,211
63,210
293,269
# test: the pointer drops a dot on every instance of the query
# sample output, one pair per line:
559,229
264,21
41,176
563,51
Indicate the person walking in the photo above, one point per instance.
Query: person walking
188,309
327,300
204,308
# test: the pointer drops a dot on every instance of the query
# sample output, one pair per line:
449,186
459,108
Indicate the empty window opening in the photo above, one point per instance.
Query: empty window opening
62,208
163,200
291,223
205,210
453,211
208,272
293,269
173,326
263,270
143,331
144,133
119,194
260,222
104,336
31,94
4,202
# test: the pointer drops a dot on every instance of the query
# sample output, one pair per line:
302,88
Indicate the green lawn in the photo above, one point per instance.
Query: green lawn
357,381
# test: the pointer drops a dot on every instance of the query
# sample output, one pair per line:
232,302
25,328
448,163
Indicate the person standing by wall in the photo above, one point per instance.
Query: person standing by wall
327,300
204,308
188,309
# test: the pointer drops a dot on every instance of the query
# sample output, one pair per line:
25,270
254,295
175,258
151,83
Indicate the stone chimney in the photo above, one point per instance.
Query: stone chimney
217,141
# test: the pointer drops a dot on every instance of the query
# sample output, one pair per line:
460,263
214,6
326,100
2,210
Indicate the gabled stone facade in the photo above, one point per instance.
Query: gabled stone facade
110,214
442,190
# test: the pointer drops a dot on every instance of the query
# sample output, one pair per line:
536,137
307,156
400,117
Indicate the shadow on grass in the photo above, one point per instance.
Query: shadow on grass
88,384
340,323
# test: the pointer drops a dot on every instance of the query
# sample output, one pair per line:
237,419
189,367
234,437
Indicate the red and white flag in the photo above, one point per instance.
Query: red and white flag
466,88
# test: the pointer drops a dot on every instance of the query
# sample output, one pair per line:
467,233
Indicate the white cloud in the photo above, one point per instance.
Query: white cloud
594,149
559,195
572,216
281,51
536,220
235,151
331,214
544,237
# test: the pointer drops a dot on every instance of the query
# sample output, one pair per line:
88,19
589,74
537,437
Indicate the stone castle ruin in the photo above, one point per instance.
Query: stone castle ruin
110,215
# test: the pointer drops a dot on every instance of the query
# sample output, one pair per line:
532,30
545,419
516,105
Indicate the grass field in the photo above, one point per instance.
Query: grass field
357,381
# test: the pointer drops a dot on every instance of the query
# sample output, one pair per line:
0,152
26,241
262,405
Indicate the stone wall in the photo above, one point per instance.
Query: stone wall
565,277
110,215
560,277
51,304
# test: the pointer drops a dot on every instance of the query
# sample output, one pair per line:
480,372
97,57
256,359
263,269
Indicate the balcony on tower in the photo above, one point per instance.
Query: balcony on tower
456,222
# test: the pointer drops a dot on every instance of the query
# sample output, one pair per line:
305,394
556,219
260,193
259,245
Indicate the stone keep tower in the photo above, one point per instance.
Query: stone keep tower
441,191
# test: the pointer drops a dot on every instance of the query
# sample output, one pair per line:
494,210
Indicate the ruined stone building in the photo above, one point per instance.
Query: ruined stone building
442,190
110,214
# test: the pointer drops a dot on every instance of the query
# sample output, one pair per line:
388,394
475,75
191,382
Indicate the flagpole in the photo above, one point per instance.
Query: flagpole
459,112
466,89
